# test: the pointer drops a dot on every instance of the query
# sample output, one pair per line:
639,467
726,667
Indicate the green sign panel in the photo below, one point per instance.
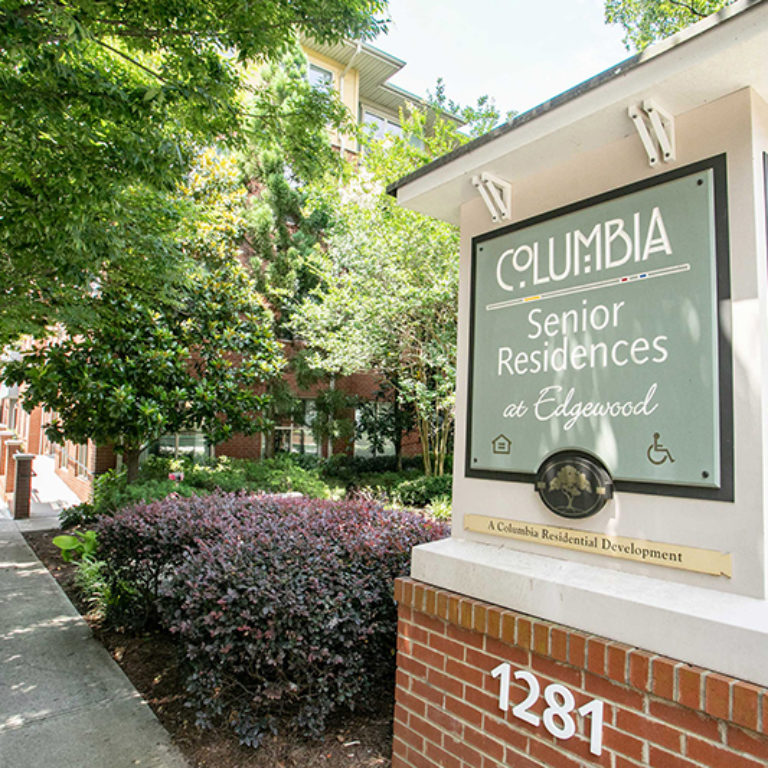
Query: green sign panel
596,328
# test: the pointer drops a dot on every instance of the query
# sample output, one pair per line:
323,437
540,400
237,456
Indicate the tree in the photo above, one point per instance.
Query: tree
570,482
383,420
283,224
645,21
101,106
387,296
132,372
139,373
478,119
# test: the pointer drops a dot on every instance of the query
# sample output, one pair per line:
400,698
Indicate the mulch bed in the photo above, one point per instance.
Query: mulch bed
150,663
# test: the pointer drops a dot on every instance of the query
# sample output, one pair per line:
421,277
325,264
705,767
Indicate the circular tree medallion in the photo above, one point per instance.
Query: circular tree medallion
574,484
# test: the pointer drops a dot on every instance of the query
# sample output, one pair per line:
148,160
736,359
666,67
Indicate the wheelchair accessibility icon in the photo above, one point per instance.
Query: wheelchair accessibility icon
657,453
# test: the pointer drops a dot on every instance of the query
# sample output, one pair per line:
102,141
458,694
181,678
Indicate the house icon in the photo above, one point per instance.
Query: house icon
501,444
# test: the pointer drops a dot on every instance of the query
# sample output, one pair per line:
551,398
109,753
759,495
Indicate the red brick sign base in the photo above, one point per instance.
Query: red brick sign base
657,711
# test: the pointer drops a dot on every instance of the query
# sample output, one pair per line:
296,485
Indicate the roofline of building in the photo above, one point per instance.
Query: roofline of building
654,51
397,64
371,50
374,51
409,96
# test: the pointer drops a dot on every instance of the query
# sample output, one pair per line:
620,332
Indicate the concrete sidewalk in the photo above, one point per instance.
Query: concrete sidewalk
63,701
50,495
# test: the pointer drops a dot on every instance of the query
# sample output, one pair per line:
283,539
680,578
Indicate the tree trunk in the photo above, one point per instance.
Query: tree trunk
426,451
442,443
269,445
398,436
131,461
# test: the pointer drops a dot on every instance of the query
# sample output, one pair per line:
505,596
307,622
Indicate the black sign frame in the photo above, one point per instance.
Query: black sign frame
718,166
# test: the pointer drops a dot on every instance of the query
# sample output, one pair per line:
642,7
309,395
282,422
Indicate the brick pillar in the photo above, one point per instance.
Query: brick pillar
476,683
5,436
12,447
23,485
35,431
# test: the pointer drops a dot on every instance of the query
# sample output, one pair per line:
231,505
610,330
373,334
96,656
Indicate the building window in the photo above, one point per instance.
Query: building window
296,436
372,429
381,126
320,78
81,462
190,444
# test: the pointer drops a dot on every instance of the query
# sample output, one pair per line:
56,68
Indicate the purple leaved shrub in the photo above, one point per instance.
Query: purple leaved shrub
282,607
143,544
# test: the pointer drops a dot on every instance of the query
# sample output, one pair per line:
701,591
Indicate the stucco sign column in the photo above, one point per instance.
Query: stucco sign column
606,578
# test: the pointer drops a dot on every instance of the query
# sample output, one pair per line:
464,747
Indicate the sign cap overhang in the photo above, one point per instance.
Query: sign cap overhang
719,55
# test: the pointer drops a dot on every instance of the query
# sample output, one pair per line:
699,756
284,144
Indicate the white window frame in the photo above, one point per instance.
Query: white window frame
330,84
81,460
176,452
386,117
301,434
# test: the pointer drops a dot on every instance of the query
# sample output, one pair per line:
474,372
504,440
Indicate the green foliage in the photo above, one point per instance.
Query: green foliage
477,119
387,480
645,21
277,475
331,420
150,490
295,138
142,373
377,424
79,514
132,371
81,544
349,469
379,486
282,475
282,225
440,508
101,105
388,287
108,489
90,579
421,491
383,420
112,491
374,478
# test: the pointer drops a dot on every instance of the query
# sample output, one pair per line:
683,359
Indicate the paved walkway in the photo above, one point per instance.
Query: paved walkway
63,701
50,494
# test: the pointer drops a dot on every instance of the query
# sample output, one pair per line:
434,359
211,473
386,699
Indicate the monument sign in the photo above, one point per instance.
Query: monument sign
596,327
603,597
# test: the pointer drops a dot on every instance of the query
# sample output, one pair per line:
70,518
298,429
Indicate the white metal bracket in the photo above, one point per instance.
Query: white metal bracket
656,128
496,194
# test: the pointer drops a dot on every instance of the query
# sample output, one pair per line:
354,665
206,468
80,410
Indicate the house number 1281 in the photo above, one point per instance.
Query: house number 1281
557,717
